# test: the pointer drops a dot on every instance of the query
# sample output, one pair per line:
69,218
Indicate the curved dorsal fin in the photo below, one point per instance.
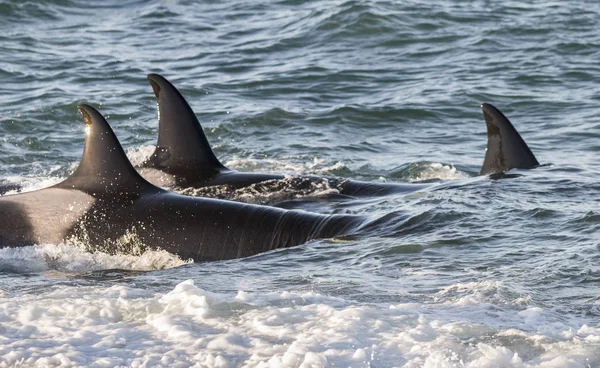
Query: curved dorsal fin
505,148
104,168
182,148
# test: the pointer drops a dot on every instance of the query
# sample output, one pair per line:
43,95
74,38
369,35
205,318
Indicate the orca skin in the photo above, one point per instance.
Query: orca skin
183,157
505,148
105,202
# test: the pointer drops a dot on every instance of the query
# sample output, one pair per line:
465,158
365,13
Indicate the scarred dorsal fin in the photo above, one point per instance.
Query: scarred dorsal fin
505,148
104,168
182,148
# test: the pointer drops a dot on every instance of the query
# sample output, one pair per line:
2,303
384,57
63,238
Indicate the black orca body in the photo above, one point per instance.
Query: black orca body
184,158
107,204
505,148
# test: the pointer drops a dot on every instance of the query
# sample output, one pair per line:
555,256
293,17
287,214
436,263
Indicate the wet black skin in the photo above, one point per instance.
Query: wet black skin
110,207
183,152
505,148
184,155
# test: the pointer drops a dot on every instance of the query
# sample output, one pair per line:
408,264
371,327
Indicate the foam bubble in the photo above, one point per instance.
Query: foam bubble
137,155
75,258
38,180
314,166
269,191
67,325
434,170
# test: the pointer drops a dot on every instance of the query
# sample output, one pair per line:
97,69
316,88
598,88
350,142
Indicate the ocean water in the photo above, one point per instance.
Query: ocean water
478,273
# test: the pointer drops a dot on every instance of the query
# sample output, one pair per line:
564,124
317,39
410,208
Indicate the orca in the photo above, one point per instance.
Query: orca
183,157
506,149
106,204
190,162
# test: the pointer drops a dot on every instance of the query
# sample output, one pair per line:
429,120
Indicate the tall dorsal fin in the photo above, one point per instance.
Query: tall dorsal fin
104,168
505,148
182,148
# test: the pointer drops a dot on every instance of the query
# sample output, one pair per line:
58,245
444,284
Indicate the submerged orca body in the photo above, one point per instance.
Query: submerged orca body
184,158
106,203
505,148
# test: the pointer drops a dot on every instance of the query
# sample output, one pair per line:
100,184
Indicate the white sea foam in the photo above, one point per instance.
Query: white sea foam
285,165
316,166
38,180
440,171
188,326
74,258
137,155
268,191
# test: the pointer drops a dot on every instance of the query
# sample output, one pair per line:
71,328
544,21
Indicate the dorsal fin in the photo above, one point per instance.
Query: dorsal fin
505,148
182,148
104,168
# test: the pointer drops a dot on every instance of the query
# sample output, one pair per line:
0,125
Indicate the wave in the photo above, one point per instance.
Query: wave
189,325
72,257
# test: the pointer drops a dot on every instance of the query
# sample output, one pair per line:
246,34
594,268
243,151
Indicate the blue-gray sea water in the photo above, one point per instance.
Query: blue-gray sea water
481,273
